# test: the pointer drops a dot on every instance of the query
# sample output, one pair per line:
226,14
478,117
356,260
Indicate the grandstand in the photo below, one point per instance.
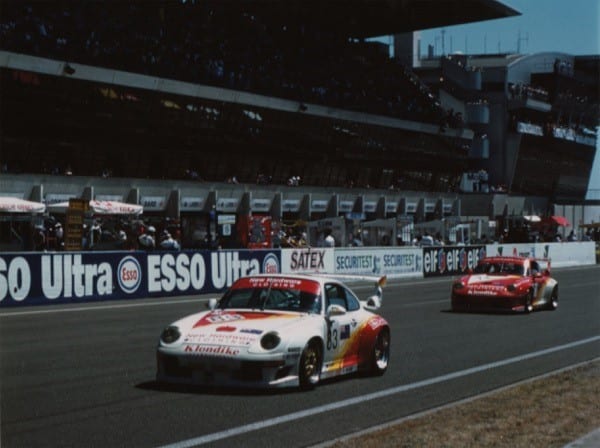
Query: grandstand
534,118
186,106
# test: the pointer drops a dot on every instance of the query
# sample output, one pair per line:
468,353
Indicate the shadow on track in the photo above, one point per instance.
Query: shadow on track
237,391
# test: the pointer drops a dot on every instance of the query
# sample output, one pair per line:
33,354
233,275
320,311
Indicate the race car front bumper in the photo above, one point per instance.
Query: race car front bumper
277,371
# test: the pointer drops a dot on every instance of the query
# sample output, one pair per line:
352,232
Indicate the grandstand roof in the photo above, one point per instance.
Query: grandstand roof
370,18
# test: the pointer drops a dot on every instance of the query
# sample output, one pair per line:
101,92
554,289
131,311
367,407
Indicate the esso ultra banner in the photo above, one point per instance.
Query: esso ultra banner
451,260
63,277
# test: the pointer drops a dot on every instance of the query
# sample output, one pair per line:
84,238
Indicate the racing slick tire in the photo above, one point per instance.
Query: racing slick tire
528,305
309,368
380,356
553,302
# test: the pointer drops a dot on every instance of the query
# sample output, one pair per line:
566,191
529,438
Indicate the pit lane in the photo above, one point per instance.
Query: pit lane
83,375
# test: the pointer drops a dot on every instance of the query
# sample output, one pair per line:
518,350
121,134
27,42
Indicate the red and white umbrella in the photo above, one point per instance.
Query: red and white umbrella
102,208
10,204
115,208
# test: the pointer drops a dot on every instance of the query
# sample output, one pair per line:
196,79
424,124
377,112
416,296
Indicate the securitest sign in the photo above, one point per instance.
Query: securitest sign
395,262
37,279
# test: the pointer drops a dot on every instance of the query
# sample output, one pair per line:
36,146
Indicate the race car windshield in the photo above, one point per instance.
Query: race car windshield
500,269
271,299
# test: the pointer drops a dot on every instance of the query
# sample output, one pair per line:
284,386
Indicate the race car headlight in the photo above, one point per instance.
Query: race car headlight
511,288
458,285
170,334
269,341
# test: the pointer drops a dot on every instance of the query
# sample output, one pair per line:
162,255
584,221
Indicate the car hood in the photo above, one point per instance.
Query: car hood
235,327
486,282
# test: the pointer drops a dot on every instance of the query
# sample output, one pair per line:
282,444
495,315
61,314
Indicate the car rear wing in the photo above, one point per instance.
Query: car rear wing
374,302
545,260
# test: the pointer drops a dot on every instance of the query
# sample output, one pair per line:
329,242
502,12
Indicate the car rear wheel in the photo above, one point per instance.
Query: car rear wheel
310,365
381,353
553,303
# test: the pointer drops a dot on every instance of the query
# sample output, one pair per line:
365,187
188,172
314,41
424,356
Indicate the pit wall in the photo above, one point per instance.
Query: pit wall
74,277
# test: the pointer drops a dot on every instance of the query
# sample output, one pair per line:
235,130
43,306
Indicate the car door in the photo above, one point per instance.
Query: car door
341,342
539,282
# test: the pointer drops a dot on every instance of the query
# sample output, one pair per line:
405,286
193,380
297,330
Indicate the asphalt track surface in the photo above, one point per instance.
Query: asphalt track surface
83,375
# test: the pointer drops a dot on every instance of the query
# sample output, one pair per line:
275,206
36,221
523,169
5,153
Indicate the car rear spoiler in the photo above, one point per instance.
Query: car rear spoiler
374,302
548,262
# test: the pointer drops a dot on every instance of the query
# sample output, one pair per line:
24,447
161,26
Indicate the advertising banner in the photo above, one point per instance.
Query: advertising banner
307,260
561,254
45,278
451,260
395,262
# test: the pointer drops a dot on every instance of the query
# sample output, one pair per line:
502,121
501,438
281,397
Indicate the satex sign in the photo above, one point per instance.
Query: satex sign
38,279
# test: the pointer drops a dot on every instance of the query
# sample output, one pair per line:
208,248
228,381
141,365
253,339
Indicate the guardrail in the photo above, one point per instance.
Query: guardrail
35,278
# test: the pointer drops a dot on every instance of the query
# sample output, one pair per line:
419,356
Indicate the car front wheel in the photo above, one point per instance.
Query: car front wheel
310,365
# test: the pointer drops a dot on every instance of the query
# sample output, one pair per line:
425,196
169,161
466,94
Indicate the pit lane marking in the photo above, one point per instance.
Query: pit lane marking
210,438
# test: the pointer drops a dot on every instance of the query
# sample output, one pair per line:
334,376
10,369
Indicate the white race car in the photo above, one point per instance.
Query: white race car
277,331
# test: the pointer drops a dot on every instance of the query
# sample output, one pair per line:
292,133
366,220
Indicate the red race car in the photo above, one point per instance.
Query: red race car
508,284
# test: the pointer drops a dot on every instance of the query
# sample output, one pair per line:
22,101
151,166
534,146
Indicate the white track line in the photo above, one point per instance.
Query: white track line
209,438
454,404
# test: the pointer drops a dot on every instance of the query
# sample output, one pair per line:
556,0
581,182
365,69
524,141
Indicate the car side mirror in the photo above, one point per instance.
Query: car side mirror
335,310
373,303
537,275
212,304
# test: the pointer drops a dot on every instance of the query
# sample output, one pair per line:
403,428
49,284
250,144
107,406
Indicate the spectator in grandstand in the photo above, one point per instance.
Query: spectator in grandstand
329,240
211,242
39,238
167,242
426,240
122,240
240,54
263,179
59,234
95,235
355,240
572,236
146,240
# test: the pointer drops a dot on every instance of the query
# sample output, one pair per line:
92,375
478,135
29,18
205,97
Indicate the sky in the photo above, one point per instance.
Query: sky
569,26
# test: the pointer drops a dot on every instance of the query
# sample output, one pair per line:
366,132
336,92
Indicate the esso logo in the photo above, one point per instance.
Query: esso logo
129,274
271,264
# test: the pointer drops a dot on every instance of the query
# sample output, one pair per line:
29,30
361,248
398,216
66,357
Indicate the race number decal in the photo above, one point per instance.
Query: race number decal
332,339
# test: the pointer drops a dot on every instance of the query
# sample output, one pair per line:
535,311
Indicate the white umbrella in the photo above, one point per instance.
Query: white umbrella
10,204
102,208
